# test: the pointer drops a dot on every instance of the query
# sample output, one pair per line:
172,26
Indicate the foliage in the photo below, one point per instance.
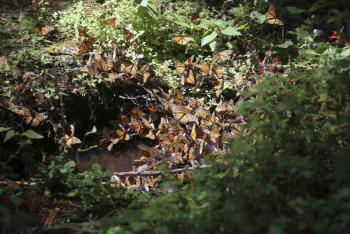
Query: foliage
88,188
286,174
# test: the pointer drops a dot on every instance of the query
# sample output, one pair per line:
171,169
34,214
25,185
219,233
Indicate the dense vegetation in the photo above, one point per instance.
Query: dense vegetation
276,89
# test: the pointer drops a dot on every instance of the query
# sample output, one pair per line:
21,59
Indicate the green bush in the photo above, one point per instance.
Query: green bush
287,173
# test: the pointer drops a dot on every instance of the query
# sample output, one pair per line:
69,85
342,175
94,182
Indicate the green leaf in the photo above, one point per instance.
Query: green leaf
209,38
4,129
258,17
212,45
70,164
286,44
73,193
295,10
32,135
231,31
9,135
144,3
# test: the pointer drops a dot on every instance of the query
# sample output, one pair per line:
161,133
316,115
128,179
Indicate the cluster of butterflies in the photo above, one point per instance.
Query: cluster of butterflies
184,128
192,72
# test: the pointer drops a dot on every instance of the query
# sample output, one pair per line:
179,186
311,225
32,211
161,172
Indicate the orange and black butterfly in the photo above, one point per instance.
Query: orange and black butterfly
44,31
183,114
222,56
127,35
218,71
85,45
205,68
271,16
129,67
188,78
183,40
33,119
113,22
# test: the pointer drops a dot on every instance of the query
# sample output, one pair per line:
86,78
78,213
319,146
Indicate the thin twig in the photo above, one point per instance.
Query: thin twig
153,173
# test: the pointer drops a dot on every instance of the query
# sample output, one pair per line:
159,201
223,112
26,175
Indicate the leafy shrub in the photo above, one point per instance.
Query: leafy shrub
87,188
287,173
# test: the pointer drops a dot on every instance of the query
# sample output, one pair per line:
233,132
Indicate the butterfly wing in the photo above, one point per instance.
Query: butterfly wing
180,67
222,56
189,79
271,16
182,40
205,68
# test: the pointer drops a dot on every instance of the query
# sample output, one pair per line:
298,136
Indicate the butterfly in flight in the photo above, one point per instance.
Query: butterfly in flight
271,16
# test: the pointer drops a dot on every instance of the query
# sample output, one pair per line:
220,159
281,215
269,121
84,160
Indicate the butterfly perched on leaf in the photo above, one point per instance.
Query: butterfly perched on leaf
271,16
183,40
222,56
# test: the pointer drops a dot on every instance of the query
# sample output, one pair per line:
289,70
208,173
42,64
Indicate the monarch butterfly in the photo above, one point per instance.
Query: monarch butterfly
113,76
33,120
194,132
225,107
127,35
43,31
137,112
179,98
183,114
106,63
218,72
71,140
205,68
122,135
222,56
271,16
180,67
113,22
201,113
129,67
183,40
85,46
188,79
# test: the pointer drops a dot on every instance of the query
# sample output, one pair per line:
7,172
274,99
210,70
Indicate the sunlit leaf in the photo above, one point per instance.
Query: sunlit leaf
32,135
231,31
9,135
209,38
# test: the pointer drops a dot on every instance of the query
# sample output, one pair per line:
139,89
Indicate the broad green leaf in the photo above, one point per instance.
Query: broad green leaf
9,135
32,135
4,129
231,31
209,38
212,45
258,17
295,10
286,44
70,164
144,3
73,193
